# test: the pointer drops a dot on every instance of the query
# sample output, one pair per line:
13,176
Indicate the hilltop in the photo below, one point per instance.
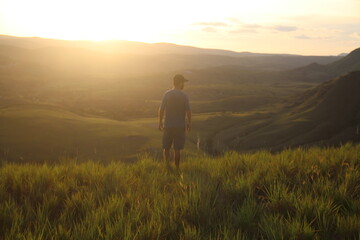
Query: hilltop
316,72
295,194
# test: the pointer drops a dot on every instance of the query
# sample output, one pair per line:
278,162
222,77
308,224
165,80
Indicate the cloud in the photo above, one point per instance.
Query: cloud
285,28
303,37
252,26
209,29
239,27
306,37
322,20
239,31
212,24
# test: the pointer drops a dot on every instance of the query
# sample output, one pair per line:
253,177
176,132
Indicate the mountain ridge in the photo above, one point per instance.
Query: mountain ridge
131,47
316,72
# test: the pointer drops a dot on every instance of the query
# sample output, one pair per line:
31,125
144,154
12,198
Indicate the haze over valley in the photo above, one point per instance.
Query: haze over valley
100,99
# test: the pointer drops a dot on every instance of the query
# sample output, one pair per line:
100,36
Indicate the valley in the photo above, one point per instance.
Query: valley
57,101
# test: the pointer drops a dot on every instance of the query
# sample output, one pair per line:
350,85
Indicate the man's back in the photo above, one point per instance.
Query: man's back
175,103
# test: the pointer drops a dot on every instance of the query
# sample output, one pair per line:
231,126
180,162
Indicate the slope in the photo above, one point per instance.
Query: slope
328,114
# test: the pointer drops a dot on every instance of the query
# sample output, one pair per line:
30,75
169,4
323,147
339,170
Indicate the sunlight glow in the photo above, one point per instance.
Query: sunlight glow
234,24
95,20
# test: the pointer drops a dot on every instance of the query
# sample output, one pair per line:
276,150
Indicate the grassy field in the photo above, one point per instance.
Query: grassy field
47,133
295,194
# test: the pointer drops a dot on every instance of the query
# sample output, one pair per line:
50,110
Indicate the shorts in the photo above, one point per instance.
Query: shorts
173,135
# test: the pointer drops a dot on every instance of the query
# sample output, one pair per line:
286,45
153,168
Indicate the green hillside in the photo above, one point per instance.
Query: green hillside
326,115
41,132
295,194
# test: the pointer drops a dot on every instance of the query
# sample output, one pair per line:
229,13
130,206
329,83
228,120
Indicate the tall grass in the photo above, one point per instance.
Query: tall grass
296,194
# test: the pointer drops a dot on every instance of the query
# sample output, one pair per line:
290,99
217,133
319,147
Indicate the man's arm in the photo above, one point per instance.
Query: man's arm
188,124
161,117
188,114
161,112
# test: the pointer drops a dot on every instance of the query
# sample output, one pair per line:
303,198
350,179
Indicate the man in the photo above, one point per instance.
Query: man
175,105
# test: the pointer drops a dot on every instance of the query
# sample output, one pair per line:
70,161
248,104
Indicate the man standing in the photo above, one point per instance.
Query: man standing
175,105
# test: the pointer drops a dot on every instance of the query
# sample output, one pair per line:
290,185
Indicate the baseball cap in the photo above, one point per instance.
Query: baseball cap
178,78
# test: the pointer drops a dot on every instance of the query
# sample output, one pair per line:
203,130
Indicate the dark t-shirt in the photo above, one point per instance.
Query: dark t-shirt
175,103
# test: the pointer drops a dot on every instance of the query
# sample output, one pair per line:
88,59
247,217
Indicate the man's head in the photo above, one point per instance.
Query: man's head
179,81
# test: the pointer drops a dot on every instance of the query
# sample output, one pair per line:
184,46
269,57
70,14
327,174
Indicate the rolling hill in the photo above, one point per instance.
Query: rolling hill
326,115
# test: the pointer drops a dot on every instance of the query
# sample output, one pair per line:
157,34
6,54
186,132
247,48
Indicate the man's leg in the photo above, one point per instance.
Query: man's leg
177,157
179,141
166,144
166,155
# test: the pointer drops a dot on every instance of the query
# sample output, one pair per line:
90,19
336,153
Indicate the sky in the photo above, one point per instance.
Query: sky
307,27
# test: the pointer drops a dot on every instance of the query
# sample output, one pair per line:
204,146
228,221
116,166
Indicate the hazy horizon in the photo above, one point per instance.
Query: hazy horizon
175,44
